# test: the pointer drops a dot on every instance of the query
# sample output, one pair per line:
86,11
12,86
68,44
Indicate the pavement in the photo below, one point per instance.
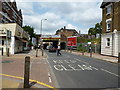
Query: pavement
98,56
13,71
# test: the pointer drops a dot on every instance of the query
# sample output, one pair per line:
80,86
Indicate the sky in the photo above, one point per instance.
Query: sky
79,15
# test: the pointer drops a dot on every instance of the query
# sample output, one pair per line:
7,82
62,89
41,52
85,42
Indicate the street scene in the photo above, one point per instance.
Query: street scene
59,45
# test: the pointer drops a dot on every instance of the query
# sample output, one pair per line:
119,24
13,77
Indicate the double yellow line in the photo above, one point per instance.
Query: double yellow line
41,83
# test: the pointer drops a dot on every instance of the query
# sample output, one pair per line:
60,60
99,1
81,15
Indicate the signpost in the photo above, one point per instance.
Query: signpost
90,49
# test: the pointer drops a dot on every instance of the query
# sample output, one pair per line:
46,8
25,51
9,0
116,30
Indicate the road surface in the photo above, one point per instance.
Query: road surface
75,71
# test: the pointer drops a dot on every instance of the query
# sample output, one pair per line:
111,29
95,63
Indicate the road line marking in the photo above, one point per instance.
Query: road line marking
50,79
48,74
110,72
41,83
81,61
94,68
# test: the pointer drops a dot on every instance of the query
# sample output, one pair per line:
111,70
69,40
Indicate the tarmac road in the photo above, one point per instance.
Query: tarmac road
73,71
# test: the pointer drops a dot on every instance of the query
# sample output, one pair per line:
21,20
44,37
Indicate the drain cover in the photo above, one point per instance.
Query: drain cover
7,61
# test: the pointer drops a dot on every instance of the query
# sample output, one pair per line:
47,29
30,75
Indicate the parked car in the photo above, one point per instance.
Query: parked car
52,49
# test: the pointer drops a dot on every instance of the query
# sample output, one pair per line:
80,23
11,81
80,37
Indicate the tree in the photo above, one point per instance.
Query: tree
98,28
30,31
92,31
95,30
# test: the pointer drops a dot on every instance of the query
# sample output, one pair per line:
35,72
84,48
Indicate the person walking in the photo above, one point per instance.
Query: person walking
58,50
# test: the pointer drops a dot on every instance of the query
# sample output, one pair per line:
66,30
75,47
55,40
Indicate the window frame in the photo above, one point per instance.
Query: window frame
108,42
108,9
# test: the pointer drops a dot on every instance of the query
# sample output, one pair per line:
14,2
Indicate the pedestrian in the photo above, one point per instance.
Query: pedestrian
58,50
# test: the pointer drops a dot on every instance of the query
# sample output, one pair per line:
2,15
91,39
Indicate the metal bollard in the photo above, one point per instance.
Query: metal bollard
2,52
8,52
119,57
27,72
42,52
91,53
36,52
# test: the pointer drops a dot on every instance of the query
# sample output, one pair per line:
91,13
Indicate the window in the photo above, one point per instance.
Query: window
108,42
108,25
109,9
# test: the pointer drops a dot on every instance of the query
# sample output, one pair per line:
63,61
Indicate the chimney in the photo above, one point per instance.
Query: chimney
64,27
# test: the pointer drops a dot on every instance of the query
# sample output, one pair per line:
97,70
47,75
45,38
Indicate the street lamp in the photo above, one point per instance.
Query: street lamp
41,35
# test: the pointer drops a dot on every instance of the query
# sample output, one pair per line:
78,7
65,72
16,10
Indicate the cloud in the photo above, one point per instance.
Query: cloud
81,15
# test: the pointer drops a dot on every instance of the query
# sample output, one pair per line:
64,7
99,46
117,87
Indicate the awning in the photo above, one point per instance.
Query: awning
21,39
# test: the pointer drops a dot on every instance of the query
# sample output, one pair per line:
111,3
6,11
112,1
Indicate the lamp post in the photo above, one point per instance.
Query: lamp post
41,35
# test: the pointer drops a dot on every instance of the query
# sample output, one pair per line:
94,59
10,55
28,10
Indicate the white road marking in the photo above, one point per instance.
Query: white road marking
110,72
72,67
81,61
87,67
81,67
47,62
50,79
48,74
94,68
58,67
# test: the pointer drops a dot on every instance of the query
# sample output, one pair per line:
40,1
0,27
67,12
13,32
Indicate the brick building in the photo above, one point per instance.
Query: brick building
110,39
9,13
66,33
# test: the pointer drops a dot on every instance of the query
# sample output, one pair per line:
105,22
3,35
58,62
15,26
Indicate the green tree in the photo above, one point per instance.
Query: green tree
30,31
92,31
98,28
95,30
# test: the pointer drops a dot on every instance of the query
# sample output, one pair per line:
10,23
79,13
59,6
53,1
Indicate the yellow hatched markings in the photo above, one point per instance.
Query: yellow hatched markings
41,83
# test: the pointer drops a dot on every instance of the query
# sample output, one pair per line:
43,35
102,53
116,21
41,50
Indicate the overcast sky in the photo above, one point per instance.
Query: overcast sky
80,15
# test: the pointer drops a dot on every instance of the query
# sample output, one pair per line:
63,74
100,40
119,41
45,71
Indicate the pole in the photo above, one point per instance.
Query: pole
27,72
2,52
42,50
36,52
8,52
41,40
90,51
119,57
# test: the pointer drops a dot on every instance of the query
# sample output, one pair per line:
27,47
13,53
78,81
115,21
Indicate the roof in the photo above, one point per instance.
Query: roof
106,2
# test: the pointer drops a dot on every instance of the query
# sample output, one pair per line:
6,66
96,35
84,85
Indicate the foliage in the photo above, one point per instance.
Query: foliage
82,40
95,30
30,31
81,48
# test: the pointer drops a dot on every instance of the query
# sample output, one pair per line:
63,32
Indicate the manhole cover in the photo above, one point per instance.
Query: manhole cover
7,61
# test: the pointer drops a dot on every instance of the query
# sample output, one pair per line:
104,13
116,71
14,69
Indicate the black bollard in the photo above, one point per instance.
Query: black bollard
119,57
2,52
90,52
27,72
8,52
36,52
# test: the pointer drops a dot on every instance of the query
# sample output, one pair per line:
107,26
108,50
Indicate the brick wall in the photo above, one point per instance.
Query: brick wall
115,16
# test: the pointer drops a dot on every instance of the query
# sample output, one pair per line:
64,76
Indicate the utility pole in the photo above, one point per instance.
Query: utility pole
41,38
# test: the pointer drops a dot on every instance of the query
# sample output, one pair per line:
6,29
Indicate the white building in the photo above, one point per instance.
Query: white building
18,40
110,39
